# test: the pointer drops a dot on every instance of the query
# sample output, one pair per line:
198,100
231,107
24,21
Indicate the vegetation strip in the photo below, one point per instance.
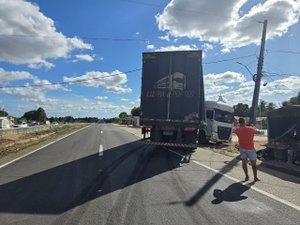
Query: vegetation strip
13,143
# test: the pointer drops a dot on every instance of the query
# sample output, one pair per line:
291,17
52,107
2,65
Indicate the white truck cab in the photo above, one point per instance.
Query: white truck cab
219,119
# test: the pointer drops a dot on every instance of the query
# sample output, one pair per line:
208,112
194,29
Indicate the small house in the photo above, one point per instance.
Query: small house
4,122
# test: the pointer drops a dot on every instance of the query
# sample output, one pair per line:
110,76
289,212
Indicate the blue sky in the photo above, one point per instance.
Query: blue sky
92,50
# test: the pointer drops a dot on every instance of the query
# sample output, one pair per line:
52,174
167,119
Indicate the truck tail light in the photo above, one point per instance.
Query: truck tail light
190,129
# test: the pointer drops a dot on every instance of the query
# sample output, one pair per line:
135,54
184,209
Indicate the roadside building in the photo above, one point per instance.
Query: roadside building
136,121
11,121
127,120
4,122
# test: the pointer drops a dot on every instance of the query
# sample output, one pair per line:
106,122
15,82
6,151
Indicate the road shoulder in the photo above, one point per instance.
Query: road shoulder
276,183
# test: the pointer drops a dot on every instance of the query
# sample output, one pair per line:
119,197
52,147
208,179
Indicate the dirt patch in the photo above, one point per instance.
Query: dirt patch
13,143
232,148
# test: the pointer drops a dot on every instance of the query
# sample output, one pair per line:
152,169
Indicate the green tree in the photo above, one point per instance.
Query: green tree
271,106
241,110
115,120
293,101
136,111
123,115
41,115
262,108
53,119
69,119
30,115
38,115
286,103
3,113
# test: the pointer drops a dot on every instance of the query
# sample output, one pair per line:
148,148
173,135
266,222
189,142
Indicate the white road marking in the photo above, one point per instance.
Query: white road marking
245,184
100,150
29,153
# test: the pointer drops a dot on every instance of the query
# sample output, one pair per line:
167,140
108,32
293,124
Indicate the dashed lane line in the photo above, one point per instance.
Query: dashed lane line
100,150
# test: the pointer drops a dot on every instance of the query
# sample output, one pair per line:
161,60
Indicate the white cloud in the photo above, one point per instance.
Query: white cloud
177,48
101,97
150,46
29,37
230,84
243,92
34,91
41,64
225,24
124,99
206,47
84,57
216,83
226,77
284,86
7,76
118,90
29,94
112,82
164,38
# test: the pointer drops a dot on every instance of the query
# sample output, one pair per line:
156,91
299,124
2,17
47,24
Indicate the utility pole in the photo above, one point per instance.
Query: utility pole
258,75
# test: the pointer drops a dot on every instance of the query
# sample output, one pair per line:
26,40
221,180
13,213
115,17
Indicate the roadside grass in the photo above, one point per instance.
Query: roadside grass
14,143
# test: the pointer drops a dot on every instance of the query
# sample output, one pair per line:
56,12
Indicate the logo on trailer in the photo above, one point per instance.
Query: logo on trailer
176,81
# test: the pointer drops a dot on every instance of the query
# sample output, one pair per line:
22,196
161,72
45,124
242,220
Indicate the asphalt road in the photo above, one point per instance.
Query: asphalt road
104,175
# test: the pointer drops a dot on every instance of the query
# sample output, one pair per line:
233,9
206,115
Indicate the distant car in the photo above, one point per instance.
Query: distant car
23,124
55,123
34,123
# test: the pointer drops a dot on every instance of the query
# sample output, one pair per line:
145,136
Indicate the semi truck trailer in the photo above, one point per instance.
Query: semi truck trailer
172,98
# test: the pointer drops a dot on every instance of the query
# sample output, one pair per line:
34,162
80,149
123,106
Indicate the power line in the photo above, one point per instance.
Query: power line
280,84
281,74
99,78
284,51
67,82
231,59
95,38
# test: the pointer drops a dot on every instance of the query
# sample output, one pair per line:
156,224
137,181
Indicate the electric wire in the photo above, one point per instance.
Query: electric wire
68,82
99,78
283,51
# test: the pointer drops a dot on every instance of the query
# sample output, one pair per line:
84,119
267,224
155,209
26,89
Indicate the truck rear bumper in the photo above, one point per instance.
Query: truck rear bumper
179,145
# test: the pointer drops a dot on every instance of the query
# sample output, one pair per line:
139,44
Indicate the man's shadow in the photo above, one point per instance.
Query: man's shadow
232,193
